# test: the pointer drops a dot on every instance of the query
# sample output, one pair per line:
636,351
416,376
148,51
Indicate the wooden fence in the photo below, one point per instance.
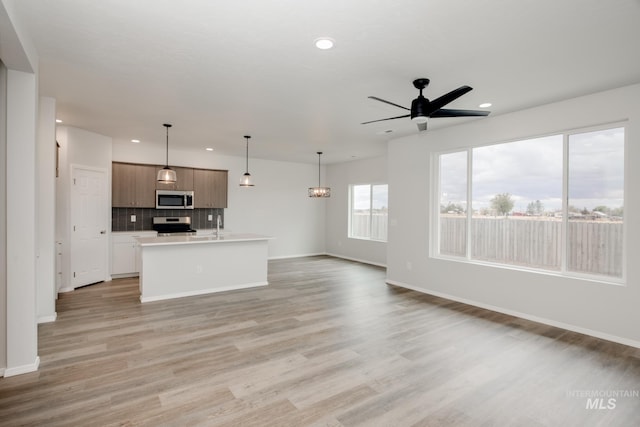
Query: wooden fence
361,226
594,247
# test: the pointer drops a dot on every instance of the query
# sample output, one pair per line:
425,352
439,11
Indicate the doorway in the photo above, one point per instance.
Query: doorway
89,218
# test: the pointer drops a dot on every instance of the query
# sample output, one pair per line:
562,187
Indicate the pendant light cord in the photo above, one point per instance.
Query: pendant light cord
247,156
166,125
319,154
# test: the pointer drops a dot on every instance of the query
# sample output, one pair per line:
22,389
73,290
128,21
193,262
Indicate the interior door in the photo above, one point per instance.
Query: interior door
89,239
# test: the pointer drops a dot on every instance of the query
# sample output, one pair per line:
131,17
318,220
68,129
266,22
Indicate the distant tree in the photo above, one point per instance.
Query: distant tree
585,211
617,211
535,208
531,208
502,203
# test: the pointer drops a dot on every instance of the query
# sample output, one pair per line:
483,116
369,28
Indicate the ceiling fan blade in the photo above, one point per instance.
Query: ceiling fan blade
447,112
389,102
382,120
438,103
422,126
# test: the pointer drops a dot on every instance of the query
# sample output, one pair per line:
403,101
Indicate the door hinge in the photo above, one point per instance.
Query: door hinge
74,181
74,274
74,228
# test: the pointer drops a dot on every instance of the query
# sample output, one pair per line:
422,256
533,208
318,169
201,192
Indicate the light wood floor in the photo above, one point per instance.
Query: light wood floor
327,343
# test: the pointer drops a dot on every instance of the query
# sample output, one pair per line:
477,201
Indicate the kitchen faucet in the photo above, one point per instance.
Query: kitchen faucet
218,221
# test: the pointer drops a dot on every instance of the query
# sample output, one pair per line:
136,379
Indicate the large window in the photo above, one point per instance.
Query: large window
516,188
453,203
368,211
552,203
595,202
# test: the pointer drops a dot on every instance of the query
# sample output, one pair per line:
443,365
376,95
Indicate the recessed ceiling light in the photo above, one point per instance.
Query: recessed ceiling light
135,141
209,149
324,43
58,121
485,105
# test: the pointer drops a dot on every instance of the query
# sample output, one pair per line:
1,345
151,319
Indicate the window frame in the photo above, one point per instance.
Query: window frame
434,223
350,212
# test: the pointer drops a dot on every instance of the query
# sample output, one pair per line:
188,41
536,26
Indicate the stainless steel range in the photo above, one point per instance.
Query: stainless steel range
173,226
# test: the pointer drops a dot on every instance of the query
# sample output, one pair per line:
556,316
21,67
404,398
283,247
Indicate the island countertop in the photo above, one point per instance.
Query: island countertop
181,266
191,240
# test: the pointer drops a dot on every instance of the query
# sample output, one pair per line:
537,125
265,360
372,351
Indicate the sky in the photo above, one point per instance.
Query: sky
531,170
362,196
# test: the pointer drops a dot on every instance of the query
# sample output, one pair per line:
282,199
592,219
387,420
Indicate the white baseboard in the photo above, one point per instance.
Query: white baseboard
296,256
561,325
48,319
363,261
65,289
24,369
201,292
124,275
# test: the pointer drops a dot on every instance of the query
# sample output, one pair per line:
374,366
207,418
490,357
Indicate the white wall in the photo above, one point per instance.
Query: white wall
599,309
277,206
339,177
3,218
46,245
80,148
18,141
22,339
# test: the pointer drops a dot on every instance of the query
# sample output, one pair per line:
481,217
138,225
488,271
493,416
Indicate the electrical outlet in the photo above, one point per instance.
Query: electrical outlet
210,217
133,218
409,265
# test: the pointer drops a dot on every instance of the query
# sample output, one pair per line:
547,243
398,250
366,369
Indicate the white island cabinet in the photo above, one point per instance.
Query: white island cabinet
180,266
125,252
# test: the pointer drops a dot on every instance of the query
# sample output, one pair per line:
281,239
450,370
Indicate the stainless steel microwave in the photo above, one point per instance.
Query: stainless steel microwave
173,199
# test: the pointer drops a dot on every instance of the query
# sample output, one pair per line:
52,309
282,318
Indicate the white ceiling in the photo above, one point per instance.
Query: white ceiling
218,70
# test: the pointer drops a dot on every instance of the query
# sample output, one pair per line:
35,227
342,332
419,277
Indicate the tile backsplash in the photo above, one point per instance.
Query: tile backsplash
121,217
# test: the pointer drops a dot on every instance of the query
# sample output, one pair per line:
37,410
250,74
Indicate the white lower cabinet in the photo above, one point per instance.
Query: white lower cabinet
125,252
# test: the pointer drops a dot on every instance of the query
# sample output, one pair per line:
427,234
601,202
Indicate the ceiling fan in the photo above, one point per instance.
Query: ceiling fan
422,108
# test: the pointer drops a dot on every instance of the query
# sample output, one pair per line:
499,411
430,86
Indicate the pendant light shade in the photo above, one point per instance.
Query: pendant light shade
245,181
167,175
319,191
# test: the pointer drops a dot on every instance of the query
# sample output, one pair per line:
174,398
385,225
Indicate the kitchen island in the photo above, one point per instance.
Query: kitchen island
180,266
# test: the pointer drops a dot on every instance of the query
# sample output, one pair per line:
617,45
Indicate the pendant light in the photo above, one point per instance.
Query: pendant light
245,181
167,175
319,191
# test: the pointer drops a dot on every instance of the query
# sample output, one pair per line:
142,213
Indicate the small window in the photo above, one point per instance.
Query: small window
368,211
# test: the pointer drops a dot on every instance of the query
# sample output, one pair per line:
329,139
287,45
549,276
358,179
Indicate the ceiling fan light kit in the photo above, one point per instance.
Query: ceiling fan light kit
422,109
167,175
